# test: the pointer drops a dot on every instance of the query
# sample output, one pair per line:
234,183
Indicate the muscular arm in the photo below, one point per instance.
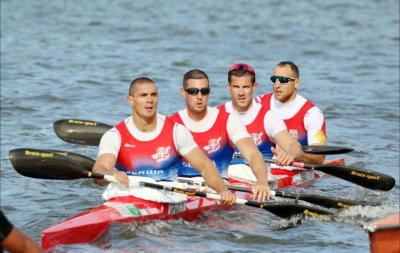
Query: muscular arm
276,129
107,158
315,159
253,156
206,168
246,146
290,145
104,165
18,242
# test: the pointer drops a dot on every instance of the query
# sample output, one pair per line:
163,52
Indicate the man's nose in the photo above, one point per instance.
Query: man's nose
277,82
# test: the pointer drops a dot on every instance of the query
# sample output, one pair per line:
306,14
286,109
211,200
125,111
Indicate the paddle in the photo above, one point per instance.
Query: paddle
366,178
27,158
328,202
88,132
326,150
281,209
85,132
32,163
49,164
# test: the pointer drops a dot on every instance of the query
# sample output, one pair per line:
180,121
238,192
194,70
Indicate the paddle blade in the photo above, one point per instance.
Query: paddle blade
326,150
85,132
366,178
37,163
328,202
289,209
84,161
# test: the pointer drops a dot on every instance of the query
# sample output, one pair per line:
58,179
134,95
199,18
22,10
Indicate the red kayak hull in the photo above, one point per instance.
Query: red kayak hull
88,226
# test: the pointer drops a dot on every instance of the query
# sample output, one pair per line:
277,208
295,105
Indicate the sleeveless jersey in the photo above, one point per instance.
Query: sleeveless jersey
257,131
215,144
156,158
295,124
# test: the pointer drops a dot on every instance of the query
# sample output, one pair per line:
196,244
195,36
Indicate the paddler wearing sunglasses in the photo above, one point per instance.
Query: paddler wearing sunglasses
149,144
265,127
303,119
217,133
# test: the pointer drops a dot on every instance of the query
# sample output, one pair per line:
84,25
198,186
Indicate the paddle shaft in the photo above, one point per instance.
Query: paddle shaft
328,202
275,208
189,192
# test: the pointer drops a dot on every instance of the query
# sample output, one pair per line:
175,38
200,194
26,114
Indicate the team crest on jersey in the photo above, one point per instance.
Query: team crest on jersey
294,133
162,154
213,145
257,138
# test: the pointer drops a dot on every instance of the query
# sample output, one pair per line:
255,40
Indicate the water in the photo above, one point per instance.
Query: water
74,59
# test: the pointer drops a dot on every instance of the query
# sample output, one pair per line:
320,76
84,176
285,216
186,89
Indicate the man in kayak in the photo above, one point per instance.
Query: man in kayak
217,132
303,119
265,127
149,144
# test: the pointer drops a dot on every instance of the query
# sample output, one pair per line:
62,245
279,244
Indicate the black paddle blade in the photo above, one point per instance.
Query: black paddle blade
328,202
289,209
37,163
85,132
84,161
326,150
370,179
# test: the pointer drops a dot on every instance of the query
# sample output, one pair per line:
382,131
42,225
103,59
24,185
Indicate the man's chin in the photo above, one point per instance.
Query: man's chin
199,109
149,115
243,104
278,96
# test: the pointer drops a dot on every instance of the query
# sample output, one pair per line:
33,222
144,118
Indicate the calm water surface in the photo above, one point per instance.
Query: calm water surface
75,59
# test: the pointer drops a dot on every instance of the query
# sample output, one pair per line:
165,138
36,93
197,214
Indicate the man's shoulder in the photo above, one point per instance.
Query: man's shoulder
309,104
224,106
261,99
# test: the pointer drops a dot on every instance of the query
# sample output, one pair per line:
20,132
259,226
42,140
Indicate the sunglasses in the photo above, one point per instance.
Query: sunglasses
242,66
282,79
195,91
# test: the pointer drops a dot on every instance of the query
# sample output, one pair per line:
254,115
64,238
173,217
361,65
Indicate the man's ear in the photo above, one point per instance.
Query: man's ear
182,92
296,83
255,85
130,100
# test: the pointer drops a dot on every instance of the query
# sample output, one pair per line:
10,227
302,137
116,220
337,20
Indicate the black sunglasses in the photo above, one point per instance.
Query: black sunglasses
282,79
195,91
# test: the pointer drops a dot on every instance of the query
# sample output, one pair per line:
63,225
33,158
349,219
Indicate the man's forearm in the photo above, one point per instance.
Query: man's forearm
213,178
296,151
102,170
315,159
258,167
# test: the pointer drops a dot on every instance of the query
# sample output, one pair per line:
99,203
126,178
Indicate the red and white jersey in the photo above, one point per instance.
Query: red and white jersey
303,119
262,124
215,134
155,154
